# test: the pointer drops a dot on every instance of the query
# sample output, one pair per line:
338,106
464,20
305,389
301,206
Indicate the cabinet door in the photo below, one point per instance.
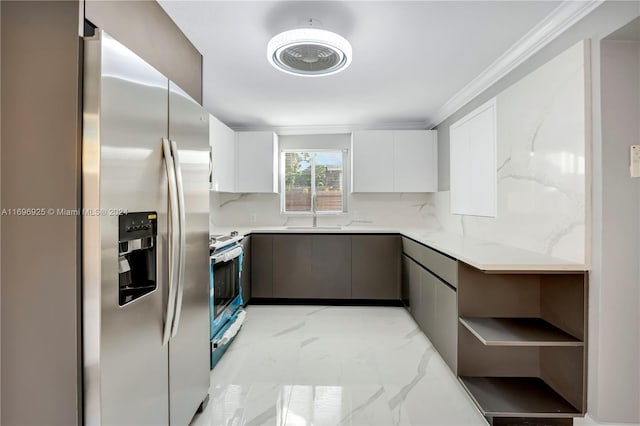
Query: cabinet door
292,262
330,267
257,162
375,267
429,283
405,283
223,154
473,163
372,161
445,334
415,161
261,266
245,281
415,294
433,305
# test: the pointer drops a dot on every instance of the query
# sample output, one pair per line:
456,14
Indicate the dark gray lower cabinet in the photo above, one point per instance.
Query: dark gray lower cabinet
429,284
312,266
416,305
445,332
405,288
331,267
433,305
262,265
325,266
292,261
245,281
375,267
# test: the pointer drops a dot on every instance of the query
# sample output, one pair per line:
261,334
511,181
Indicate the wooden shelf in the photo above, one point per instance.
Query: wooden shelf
518,332
517,397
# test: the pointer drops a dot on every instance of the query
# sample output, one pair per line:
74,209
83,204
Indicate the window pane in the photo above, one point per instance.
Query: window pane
297,181
329,181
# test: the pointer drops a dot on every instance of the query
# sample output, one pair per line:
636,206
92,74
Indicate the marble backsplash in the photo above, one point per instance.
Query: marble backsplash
415,210
541,164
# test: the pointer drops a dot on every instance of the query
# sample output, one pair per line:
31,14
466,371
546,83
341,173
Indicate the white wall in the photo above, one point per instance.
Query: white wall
616,318
541,149
392,210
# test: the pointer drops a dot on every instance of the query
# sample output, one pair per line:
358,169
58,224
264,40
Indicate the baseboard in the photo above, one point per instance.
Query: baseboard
323,302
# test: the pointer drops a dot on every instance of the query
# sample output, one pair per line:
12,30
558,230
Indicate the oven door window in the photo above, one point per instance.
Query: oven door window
225,284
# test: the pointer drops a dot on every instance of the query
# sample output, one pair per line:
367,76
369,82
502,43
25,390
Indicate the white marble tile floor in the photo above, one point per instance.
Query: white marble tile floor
321,365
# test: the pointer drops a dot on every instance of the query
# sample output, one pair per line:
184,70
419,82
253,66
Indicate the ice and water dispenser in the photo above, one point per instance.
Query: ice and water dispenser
137,266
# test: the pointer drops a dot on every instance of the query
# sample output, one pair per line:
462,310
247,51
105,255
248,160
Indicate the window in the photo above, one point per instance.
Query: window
313,174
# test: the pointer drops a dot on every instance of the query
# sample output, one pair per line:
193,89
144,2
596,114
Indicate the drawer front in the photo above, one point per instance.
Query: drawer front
441,265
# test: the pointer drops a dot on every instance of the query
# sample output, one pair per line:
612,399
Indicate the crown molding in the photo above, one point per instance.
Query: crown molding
559,20
331,129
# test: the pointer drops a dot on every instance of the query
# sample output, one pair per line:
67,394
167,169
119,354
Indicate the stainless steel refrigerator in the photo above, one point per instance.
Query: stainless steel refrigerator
145,166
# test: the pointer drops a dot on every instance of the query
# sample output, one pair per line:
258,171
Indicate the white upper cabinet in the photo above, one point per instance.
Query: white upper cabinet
245,162
394,161
223,148
372,161
473,163
415,157
257,156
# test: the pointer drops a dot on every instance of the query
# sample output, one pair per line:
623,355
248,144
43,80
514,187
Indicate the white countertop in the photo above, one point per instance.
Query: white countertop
489,256
484,255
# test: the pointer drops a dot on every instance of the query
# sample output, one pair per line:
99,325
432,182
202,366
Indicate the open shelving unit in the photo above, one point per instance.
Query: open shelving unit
513,396
518,332
522,344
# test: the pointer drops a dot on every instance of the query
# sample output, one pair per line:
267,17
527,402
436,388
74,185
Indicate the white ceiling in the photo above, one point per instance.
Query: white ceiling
409,57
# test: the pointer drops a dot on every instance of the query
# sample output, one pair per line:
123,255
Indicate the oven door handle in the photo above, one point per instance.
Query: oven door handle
227,255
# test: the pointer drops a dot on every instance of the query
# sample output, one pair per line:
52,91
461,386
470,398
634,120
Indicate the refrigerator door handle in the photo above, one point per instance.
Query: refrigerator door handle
174,233
210,164
183,237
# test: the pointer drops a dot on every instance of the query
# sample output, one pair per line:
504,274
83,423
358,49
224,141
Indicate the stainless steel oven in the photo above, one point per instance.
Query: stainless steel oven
226,264
225,292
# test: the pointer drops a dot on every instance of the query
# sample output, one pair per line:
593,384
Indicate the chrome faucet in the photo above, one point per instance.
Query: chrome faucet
313,207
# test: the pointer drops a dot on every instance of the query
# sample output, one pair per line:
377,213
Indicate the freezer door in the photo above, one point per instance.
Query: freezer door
125,119
189,347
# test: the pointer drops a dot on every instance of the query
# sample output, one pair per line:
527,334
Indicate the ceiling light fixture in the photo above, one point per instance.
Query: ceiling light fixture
309,51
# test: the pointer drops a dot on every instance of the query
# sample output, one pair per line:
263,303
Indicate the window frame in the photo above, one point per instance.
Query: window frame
345,180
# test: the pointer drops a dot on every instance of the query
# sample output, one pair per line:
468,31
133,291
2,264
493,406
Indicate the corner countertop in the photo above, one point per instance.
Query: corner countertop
483,255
